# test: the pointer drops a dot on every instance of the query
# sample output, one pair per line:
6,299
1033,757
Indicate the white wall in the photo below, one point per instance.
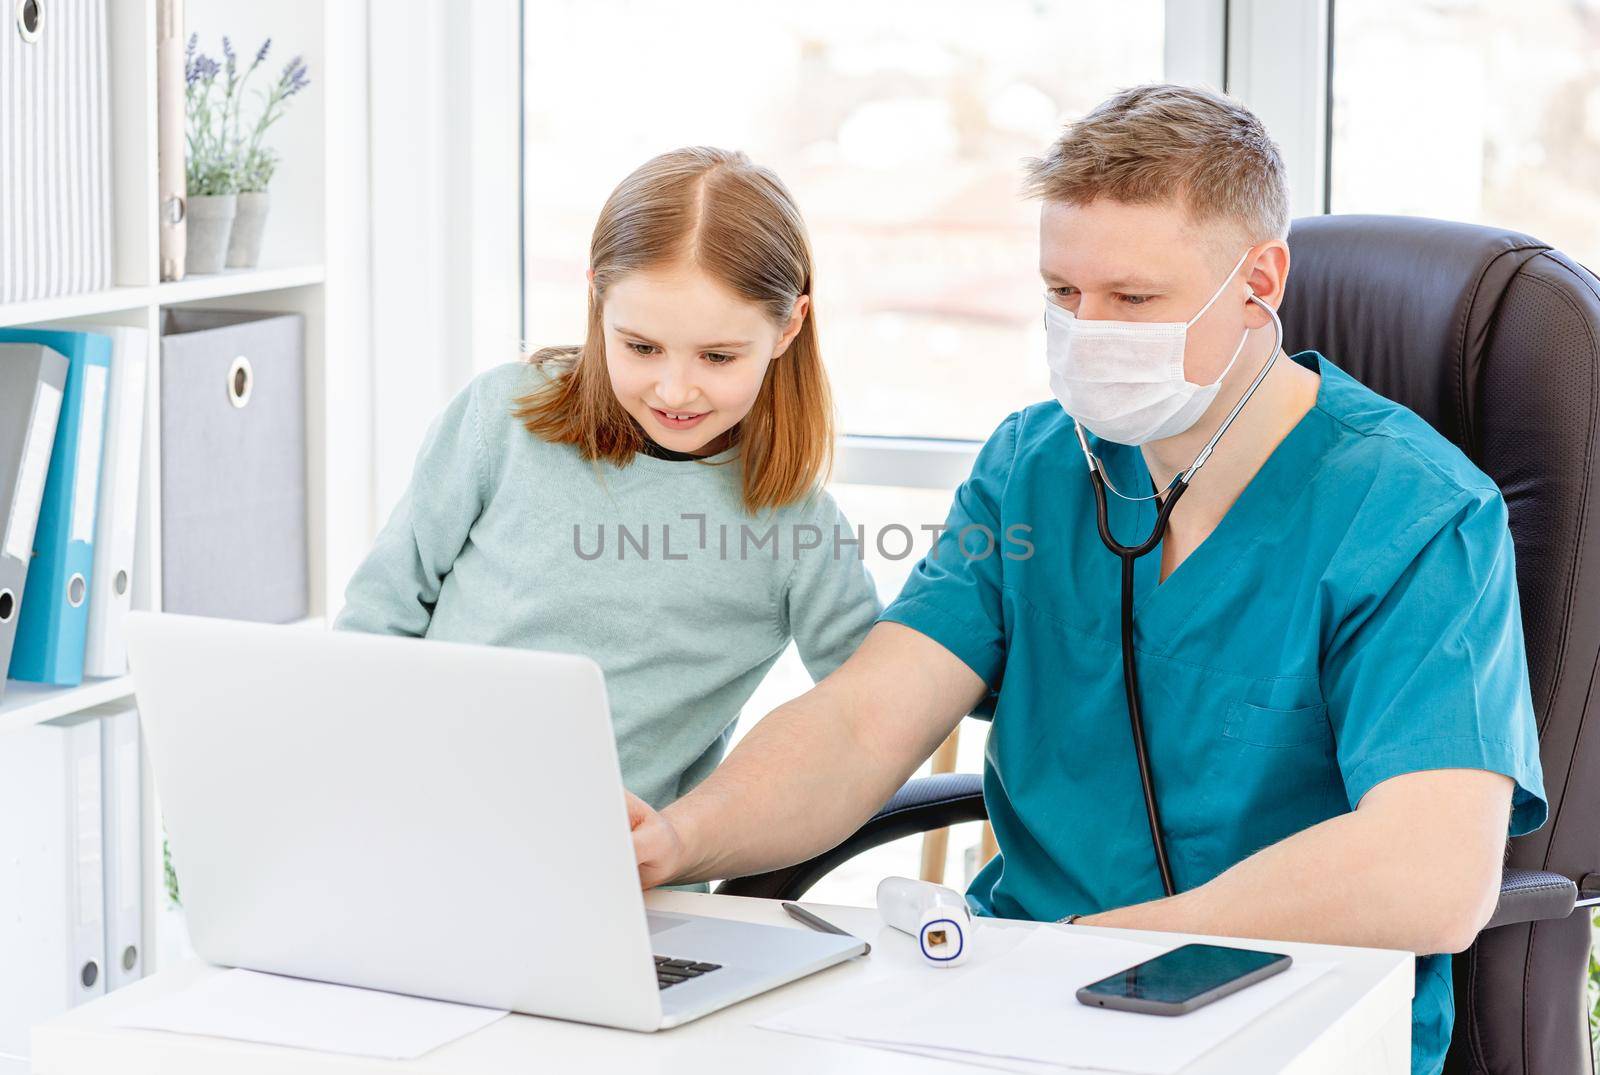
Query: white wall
347,416
445,199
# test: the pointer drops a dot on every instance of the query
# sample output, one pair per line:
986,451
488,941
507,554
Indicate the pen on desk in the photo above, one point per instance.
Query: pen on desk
821,925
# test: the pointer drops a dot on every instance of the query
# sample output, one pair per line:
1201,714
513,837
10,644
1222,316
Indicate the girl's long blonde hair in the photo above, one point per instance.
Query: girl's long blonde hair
736,221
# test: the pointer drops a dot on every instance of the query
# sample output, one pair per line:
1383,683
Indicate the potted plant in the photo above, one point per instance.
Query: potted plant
228,173
257,162
210,169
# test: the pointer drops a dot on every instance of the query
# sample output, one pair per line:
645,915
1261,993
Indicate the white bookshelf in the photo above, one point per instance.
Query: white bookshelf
132,299
290,279
27,704
322,177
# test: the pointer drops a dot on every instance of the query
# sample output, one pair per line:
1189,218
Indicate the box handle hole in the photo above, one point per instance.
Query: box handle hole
241,381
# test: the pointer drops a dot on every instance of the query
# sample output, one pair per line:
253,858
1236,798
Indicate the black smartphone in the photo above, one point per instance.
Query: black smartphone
1183,979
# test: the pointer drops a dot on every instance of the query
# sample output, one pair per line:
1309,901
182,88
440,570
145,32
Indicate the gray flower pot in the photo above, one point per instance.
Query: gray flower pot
244,248
210,223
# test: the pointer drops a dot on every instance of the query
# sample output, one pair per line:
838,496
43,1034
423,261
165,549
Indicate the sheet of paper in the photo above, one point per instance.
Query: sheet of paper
1022,1007
995,1063
276,1010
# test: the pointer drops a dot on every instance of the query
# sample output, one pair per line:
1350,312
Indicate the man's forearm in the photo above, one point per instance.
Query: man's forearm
812,771
1384,879
1289,892
801,781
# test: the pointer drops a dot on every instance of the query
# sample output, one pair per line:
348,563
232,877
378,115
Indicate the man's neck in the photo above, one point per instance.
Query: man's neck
1287,392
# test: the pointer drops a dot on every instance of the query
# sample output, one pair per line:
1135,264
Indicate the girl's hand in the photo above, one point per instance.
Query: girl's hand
656,845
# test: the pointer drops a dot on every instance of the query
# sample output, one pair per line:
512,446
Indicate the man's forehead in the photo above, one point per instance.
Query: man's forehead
1091,268
1123,264
1085,274
1116,245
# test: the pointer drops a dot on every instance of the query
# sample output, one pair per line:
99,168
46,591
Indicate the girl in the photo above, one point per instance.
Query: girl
650,498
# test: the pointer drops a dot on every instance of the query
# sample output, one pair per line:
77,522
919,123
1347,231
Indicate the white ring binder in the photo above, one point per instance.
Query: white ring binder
55,127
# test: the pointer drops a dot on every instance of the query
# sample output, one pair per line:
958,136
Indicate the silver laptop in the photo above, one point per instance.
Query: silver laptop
426,818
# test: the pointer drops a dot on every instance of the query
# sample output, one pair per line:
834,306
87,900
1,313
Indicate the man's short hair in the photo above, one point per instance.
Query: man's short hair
1158,142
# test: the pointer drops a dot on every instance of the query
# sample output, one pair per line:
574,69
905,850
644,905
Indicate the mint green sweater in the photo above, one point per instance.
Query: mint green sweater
505,539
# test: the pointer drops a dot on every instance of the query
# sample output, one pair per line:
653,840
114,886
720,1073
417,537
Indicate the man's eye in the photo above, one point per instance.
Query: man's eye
717,358
642,348
1133,300
1063,292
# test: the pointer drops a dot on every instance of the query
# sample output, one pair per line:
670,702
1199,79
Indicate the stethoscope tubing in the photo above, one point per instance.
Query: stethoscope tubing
1130,671
1128,554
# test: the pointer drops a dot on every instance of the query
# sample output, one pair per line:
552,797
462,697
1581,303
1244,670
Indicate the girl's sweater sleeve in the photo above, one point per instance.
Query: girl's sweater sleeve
831,602
395,589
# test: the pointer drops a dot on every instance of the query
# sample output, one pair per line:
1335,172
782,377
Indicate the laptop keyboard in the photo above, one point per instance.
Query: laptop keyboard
671,971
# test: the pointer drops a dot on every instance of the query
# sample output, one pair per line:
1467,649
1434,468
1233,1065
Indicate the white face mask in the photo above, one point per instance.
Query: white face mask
1123,380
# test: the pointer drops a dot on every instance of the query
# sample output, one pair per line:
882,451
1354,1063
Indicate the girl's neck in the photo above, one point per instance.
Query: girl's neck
719,444
658,451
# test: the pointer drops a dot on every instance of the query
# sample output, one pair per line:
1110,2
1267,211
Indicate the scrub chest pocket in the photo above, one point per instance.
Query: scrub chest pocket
1276,771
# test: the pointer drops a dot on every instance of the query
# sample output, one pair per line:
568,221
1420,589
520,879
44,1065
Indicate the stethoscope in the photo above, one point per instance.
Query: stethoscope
1129,553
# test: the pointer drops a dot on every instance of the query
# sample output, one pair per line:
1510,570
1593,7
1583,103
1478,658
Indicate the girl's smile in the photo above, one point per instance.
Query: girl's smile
678,419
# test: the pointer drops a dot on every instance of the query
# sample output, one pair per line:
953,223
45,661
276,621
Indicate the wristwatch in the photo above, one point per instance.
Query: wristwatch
1068,920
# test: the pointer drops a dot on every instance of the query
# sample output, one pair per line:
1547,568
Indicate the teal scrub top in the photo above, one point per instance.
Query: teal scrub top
1353,617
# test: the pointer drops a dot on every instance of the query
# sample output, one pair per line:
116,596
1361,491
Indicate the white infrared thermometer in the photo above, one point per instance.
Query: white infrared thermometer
935,915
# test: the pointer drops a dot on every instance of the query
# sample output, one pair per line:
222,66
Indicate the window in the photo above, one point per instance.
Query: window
1471,110
900,128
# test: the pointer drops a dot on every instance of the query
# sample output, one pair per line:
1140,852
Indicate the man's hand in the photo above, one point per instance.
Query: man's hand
811,771
656,845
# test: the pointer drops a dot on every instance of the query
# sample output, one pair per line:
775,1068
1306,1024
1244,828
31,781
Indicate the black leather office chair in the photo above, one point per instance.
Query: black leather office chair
1494,338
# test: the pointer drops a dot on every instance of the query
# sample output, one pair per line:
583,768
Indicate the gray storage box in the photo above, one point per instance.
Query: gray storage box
233,465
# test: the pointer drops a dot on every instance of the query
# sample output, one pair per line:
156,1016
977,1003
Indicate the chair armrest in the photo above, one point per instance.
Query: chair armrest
924,804
936,802
1533,896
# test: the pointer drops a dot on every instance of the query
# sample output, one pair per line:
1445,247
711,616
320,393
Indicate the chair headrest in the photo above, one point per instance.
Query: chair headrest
1404,304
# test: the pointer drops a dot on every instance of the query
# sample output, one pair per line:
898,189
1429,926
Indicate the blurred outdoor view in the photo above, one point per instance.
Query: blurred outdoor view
900,128
1472,110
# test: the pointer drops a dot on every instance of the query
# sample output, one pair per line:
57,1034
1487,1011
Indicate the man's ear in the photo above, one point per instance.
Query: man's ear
797,319
1266,273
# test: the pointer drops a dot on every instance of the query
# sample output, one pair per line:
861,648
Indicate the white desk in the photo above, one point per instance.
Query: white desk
1355,1018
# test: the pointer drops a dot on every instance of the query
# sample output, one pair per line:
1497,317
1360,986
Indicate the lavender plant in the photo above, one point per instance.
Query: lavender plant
210,168
258,162
221,159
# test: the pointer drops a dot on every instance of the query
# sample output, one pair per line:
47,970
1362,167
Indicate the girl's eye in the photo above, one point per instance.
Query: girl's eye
716,358
642,348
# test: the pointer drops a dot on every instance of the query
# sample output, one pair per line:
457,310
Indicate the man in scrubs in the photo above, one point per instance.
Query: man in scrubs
1334,689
